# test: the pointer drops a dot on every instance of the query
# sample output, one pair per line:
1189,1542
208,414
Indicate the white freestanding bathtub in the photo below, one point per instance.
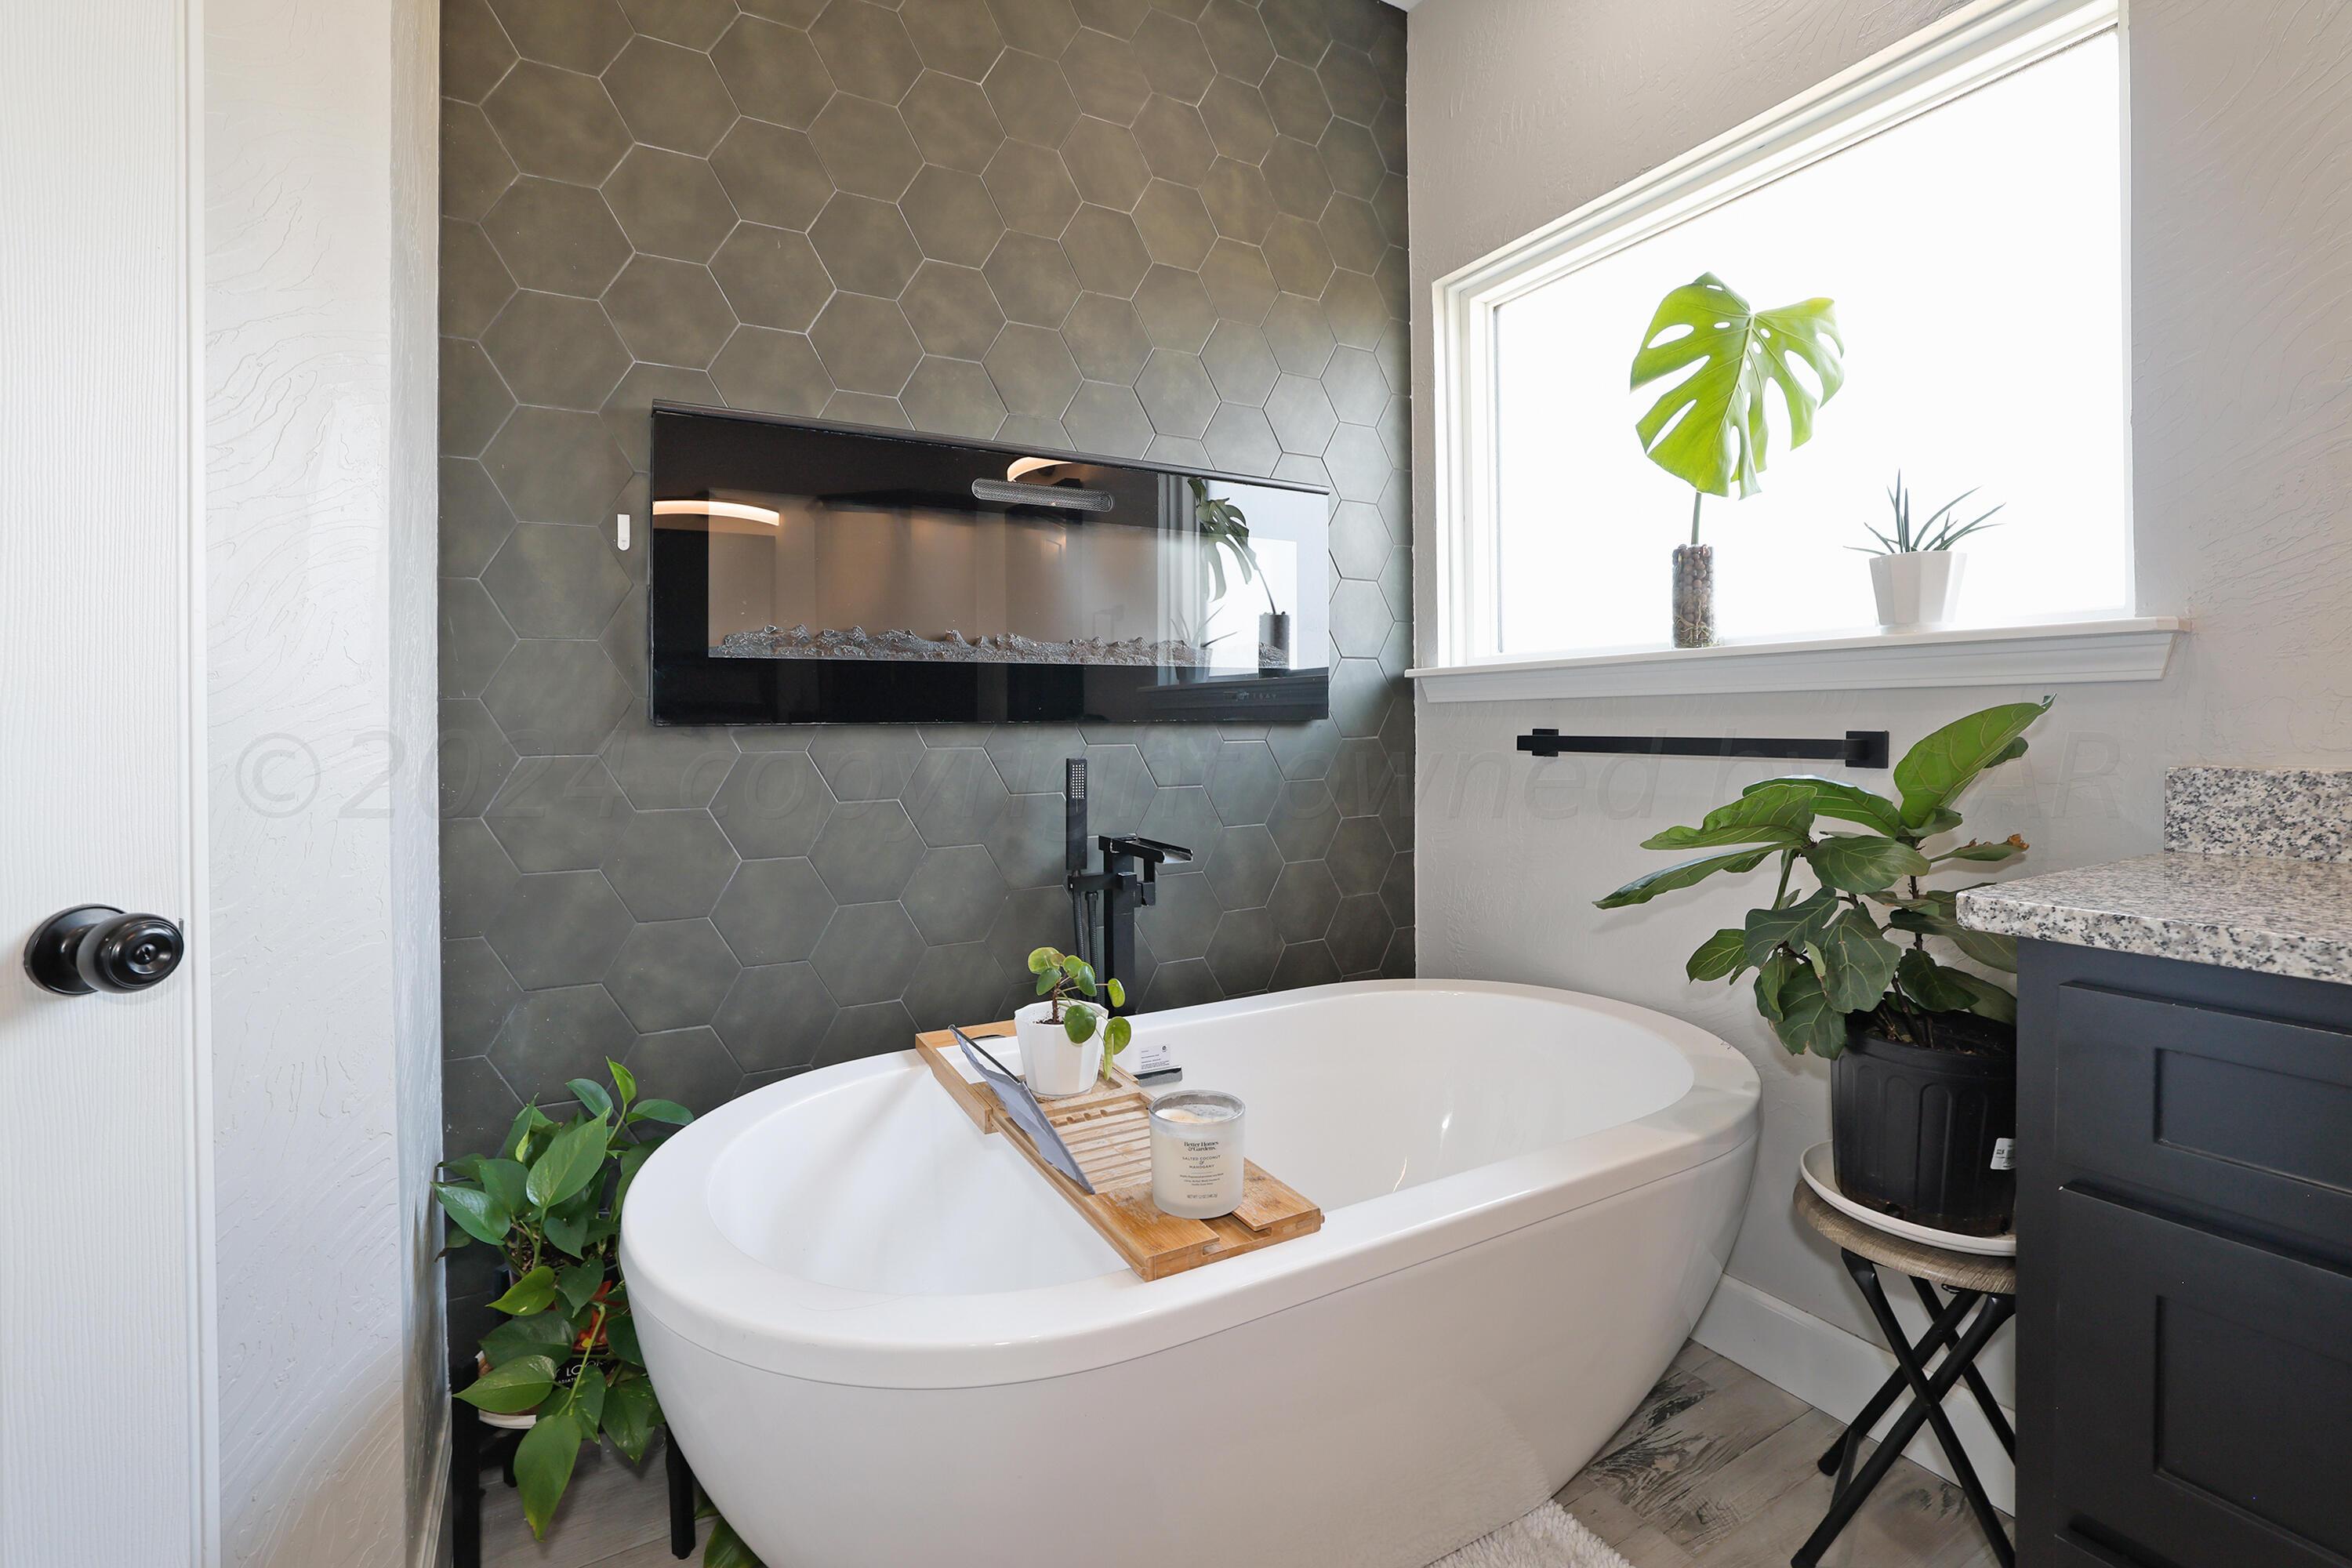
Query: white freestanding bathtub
881,1340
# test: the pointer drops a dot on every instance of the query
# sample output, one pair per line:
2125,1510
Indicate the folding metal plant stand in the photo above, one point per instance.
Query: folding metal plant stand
1984,1297
474,1445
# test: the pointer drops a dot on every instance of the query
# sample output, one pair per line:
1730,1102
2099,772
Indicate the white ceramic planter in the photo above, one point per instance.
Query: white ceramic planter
1918,588
1052,1067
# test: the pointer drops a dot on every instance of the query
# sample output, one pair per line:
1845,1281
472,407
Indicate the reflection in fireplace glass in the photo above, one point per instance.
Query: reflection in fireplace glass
843,548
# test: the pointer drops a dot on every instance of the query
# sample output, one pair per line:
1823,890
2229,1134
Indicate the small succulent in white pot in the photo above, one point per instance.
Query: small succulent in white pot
1067,1043
1915,572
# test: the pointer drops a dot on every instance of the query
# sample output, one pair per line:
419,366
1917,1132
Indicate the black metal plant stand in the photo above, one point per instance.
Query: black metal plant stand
1959,1328
475,1446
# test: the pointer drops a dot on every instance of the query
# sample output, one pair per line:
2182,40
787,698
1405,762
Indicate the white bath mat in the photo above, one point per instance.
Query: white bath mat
1548,1538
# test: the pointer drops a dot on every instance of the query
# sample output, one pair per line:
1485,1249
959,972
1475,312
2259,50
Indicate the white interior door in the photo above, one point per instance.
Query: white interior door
104,1424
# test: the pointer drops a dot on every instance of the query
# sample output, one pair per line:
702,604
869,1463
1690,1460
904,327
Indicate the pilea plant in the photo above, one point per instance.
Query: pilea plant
1855,948
565,1352
1058,974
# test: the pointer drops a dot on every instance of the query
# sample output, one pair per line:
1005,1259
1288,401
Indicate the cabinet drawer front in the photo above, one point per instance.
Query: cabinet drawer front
2230,1112
2204,1391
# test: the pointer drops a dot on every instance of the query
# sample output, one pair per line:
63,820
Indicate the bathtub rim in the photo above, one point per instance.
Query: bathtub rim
687,1274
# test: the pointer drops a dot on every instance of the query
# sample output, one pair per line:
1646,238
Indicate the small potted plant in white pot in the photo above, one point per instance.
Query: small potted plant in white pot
1067,1043
1916,572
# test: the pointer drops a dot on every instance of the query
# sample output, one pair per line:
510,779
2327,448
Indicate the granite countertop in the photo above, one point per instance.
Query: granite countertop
2268,913
2257,875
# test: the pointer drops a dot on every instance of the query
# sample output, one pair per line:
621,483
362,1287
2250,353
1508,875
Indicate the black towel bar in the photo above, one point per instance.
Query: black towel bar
1860,749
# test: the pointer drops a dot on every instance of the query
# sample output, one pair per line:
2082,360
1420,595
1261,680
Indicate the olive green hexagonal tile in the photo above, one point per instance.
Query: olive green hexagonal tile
799,13
474,50
475,401
953,216
1105,77
771,174
1302,418
1354,307
1357,391
1175,144
952,397
1352,159
1032,101
864,146
1241,285
1120,18
556,238
772,277
694,24
556,580
628,413
865,49
1298,257
669,205
1358,463
556,465
1298,335
1350,83
866,245
866,344
554,696
1239,363
1105,163
764,371
1237,39
1352,231
1389,205
475,638
1241,441
1040,27
772,71
951,309
1032,188
1238,202
1389,132
1103,335
1107,418
556,124
475,284
474,169
577,35
474,519
1175,226
1177,392
1296,179
1172,56
865,408
1032,280
1032,371
670,312
953,36
554,350
669,97
1294,98
1301,30
1104,248
1237,120
951,120
1174,309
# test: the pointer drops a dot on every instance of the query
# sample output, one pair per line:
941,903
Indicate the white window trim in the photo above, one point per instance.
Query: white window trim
1962,52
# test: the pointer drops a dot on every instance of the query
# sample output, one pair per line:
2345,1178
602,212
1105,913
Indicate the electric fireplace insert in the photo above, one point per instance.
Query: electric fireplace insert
807,573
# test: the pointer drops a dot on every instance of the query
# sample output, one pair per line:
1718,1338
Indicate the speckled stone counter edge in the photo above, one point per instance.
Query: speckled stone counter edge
2299,813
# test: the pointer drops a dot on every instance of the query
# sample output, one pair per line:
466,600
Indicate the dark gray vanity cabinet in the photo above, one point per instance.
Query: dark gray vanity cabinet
2184,1348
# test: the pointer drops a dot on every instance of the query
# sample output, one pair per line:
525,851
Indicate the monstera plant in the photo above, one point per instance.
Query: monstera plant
1859,968
1709,428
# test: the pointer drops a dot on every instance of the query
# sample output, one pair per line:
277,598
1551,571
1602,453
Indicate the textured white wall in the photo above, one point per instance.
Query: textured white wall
318,382
2241,252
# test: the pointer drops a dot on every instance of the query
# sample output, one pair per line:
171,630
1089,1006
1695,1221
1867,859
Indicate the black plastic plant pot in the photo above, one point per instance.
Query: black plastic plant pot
1922,1134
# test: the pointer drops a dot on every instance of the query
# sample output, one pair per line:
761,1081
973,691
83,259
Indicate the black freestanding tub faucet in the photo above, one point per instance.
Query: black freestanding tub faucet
1128,880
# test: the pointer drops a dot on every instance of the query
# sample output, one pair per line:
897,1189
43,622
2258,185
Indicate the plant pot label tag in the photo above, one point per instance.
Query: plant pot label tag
2004,1154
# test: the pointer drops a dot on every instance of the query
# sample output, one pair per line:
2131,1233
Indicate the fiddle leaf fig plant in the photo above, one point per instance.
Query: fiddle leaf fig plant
1709,428
565,1349
1854,948
1058,975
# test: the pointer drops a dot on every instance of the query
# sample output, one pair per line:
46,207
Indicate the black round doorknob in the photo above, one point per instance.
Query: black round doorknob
97,947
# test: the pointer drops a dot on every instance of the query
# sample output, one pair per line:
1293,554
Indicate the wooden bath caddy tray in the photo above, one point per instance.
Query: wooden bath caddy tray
1109,1131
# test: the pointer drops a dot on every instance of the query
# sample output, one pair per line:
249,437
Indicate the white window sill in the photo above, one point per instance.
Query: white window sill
2056,653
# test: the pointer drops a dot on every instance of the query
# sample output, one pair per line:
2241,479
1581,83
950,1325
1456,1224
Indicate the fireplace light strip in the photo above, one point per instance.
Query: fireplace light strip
734,508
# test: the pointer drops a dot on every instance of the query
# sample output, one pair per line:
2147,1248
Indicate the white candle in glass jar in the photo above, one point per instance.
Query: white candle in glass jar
1196,1153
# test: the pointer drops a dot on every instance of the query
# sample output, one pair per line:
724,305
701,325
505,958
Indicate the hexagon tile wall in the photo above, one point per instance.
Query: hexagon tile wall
1171,229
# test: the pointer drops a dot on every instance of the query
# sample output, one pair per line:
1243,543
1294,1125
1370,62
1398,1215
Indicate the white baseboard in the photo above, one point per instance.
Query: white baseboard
431,1549
1836,1372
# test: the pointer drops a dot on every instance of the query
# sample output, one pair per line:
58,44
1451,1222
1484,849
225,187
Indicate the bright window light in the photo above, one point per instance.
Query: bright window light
1976,255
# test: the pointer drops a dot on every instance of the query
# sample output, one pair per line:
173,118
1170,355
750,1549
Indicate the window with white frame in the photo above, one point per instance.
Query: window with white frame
1964,208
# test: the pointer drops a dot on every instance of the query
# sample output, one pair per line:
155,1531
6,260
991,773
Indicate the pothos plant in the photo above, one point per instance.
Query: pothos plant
1058,975
565,1352
1855,948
